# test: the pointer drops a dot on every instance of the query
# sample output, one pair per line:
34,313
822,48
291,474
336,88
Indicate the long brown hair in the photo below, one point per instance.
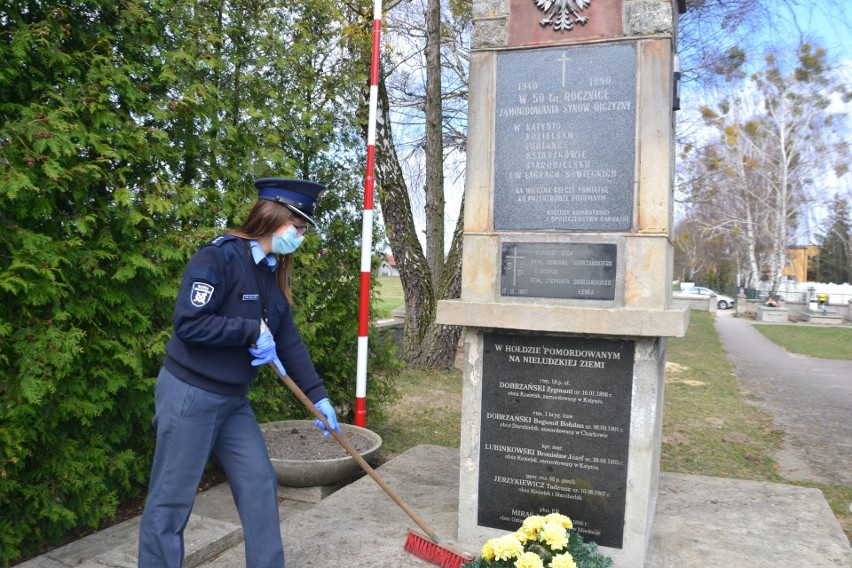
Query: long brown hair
265,218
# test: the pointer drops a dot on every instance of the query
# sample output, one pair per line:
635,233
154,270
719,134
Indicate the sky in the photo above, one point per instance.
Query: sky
832,25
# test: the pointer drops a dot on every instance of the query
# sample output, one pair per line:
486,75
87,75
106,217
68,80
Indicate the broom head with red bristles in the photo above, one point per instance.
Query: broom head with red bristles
444,555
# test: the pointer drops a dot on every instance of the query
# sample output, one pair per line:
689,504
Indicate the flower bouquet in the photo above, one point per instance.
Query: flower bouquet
541,542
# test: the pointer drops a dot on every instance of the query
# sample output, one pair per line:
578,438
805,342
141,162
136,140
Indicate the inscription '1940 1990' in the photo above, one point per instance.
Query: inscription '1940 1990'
565,121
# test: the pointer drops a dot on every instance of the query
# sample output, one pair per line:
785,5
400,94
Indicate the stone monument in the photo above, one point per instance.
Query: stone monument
567,270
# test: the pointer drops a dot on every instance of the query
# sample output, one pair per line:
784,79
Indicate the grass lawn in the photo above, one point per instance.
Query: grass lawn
708,427
391,296
821,342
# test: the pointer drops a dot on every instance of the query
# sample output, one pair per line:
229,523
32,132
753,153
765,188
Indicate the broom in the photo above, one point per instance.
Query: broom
425,545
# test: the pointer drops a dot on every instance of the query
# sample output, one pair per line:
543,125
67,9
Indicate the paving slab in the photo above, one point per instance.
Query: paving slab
204,538
213,528
117,546
88,547
360,525
709,522
701,522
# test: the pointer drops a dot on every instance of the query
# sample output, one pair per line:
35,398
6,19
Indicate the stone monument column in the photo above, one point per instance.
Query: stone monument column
567,270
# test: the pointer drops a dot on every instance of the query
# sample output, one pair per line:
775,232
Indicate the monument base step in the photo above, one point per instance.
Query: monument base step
204,539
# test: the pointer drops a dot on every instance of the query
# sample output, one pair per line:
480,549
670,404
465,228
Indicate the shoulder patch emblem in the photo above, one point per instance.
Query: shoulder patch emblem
201,294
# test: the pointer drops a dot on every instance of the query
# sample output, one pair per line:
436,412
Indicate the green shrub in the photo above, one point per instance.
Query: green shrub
123,147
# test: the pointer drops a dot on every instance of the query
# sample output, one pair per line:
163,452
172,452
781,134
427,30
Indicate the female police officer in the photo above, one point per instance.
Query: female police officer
232,314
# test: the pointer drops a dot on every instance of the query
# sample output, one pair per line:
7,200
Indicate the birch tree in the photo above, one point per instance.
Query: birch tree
773,145
796,140
724,195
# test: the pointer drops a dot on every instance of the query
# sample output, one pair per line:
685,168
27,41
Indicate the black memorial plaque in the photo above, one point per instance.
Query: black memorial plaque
565,132
555,432
577,271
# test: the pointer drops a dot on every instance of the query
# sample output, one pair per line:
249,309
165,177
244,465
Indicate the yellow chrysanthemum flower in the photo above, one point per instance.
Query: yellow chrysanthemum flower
564,560
560,519
487,551
525,534
554,535
532,523
506,547
529,529
529,560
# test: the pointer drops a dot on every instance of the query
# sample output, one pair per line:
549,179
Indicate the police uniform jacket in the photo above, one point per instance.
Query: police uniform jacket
223,295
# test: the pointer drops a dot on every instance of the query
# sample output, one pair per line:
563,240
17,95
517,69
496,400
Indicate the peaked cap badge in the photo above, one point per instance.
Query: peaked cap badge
563,15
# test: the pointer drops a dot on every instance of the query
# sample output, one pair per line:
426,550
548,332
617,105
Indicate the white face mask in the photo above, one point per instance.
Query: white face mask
288,242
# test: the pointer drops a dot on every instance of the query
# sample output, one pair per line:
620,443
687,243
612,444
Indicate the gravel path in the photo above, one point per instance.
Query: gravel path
809,399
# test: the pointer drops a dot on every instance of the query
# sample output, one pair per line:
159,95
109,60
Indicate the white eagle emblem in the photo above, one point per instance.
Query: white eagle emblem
563,15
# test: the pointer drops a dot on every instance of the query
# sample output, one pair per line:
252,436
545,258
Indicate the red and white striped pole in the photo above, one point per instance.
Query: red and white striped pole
367,227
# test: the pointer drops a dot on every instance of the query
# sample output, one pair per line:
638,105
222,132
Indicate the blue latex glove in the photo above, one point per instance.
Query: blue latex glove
264,350
324,406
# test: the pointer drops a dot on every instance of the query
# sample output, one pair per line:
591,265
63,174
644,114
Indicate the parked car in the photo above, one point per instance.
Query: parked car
723,302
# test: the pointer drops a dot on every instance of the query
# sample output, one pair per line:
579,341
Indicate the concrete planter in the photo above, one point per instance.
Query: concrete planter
311,473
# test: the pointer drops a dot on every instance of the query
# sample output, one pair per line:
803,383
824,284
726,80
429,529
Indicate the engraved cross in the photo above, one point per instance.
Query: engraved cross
564,60
514,257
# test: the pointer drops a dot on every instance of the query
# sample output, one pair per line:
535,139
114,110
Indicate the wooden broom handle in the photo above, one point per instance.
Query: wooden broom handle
294,388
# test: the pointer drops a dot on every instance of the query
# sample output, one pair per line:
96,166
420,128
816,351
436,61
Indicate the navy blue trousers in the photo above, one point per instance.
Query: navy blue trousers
192,425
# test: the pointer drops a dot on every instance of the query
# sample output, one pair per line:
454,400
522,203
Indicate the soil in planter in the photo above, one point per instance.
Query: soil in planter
306,443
